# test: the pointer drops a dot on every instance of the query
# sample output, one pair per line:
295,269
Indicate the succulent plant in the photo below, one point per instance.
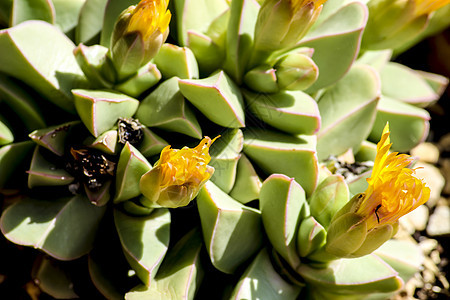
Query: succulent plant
113,157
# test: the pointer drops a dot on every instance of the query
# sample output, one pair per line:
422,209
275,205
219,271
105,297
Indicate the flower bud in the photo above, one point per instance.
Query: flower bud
282,23
394,22
138,35
178,176
296,72
371,218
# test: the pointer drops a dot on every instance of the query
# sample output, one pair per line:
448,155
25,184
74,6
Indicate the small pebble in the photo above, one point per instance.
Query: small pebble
439,223
416,220
426,152
428,245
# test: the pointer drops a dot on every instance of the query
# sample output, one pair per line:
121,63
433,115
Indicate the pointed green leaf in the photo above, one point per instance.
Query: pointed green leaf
364,275
131,166
41,56
54,226
283,206
342,32
248,184
348,111
6,136
262,281
166,108
145,78
144,241
44,173
67,14
231,231
151,144
106,142
376,59
11,157
311,236
290,111
54,138
224,105
90,20
176,61
262,79
24,10
209,55
92,61
279,153
99,110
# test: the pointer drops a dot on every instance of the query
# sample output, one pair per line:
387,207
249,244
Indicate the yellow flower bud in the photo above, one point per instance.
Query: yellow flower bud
393,191
178,176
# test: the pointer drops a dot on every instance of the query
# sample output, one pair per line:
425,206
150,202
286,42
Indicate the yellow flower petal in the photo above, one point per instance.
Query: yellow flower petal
428,6
150,16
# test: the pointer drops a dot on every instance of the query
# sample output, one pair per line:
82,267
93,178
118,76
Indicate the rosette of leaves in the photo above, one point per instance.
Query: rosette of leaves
282,114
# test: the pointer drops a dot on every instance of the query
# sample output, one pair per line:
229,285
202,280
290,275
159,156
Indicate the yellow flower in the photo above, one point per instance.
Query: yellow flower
424,7
150,16
179,175
393,190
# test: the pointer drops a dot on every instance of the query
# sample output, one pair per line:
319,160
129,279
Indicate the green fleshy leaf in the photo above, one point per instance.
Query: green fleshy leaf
167,109
366,152
283,206
364,275
44,173
248,184
11,156
92,60
67,14
135,207
131,166
144,241
22,103
111,13
225,103
437,82
6,136
106,142
261,281
376,59
348,111
262,79
24,10
209,55
90,21
180,273
196,15
311,236
225,153
359,183
290,111
239,38
176,61
99,110
278,153
409,125
145,78
53,225
54,138
231,231
151,144
41,56
342,32
404,84
53,278
346,234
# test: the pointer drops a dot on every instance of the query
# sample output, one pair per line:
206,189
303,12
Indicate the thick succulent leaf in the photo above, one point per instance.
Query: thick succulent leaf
359,183
92,61
262,79
167,109
90,21
54,138
376,59
63,228
145,78
151,144
11,157
239,38
231,231
225,153
341,32
437,82
41,56
196,15
262,281
111,13
290,111
367,274
176,61
209,55
311,236
248,184
131,166
279,153
99,110
6,136
22,103
404,84
366,152
283,206
225,103
409,124
348,111
144,241
67,14
404,256
180,273
106,142
24,10
44,173
53,278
